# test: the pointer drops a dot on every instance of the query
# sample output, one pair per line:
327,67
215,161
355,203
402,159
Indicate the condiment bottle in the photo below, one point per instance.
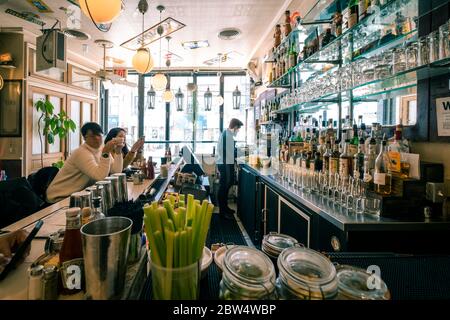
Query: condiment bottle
71,254
35,283
150,169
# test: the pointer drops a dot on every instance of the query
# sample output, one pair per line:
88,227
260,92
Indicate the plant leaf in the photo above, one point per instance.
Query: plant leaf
50,138
49,107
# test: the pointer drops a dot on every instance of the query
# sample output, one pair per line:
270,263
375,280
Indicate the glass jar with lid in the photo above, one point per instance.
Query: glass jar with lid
444,42
398,60
274,243
305,274
248,274
353,284
411,53
433,45
423,52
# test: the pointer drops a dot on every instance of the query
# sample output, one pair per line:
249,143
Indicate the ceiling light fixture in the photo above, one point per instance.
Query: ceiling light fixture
101,12
159,80
168,94
151,95
179,96
142,60
208,100
192,45
236,99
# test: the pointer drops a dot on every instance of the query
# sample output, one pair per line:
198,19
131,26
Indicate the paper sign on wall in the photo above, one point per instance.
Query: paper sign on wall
443,116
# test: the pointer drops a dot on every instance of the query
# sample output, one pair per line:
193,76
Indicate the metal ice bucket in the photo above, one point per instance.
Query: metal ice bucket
105,250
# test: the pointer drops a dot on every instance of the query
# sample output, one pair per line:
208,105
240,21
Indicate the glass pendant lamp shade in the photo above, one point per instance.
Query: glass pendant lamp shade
168,96
101,11
143,61
159,82
236,99
179,97
151,95
208,100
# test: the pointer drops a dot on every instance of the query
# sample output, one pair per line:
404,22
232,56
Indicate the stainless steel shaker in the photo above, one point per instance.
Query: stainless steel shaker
116,196
108,194
99,192
123,190
81,199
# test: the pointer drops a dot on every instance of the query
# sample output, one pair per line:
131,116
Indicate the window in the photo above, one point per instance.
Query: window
230,83
181,122
207,123
121,109
154,124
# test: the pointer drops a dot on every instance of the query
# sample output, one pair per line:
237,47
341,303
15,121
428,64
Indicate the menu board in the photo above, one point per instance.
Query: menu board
443,116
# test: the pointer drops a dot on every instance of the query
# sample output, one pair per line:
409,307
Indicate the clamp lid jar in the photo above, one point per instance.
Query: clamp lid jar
274,243
357,284
306,274
248,274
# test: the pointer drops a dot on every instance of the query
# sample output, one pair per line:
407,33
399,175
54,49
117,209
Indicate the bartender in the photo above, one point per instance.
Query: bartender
89,163
225,164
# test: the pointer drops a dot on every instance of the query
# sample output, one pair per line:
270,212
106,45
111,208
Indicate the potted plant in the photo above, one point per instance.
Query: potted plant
54,124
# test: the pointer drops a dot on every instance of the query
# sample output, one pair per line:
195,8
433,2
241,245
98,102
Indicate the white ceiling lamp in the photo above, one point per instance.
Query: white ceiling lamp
168,95
142,60
101,12
159,80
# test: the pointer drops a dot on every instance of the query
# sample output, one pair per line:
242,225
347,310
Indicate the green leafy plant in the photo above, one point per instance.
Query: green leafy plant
54,124
59,164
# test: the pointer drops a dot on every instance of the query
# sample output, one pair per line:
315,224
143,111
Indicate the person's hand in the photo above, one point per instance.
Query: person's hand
137,145
110,146
11,241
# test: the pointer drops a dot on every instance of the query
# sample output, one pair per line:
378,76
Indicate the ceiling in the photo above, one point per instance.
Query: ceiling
203,20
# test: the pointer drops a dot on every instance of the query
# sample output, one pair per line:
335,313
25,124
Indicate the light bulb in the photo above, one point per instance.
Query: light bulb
159,82
168,96
101,11
143,61
218,101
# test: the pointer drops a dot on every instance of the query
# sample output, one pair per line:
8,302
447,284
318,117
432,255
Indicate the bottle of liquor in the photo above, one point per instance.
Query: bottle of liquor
382,177
287,23
362,9
150,169
277,36
292,56
337,23
327,38
358,161
334,159
97,214
71,254
318,162
345,161
399,146
354,142
369,160
326,158
353,12
310,158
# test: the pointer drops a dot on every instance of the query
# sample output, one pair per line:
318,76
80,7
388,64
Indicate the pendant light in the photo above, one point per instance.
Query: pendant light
208,100
142,60
218,100
151,96
179,97
168,94
236,99
159,80
101,12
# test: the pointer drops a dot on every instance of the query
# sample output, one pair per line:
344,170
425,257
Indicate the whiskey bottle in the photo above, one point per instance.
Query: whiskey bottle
382,176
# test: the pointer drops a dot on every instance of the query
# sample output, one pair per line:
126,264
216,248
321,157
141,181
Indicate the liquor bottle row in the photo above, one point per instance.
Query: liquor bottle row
360,154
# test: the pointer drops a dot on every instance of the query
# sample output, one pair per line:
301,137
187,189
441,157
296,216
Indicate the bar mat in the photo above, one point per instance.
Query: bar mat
408,277
221,231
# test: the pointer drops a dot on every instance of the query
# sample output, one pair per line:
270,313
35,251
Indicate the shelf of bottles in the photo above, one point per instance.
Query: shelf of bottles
378,55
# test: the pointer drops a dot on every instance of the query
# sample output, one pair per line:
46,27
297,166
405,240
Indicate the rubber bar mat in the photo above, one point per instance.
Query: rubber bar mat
408,277
220,231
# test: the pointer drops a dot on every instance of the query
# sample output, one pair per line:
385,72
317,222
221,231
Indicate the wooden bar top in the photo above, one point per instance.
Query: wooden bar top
15,285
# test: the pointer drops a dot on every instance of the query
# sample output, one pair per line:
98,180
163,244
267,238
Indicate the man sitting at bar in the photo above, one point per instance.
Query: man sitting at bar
86,165
225,164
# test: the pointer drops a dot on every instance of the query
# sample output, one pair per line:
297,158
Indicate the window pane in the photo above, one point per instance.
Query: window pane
75,116
181,122
207,122
243,83
56,145
154,125
123,109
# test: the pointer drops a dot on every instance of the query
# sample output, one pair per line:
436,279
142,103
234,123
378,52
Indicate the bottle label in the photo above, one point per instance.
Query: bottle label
352,149
72,274
394,161
312,166
367,178
73,223
334,165
343,167
380,179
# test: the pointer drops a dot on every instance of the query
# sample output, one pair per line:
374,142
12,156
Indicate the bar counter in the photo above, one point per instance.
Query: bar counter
15,285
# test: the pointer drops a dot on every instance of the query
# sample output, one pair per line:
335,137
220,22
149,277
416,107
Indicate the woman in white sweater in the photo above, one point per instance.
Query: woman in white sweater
86,165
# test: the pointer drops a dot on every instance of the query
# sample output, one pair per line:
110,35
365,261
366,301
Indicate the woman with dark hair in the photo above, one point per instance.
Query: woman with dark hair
120,135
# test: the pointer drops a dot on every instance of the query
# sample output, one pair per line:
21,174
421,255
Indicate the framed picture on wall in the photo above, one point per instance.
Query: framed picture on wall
11,109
